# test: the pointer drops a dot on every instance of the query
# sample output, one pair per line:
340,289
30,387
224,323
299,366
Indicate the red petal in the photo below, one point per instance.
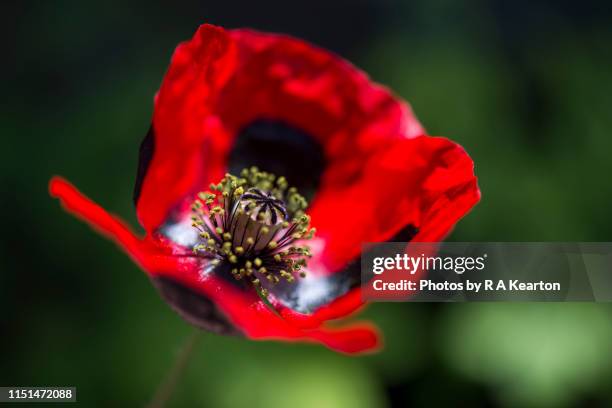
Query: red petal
283,78
354,339
258,321
243,309
221,81
426,182
189,142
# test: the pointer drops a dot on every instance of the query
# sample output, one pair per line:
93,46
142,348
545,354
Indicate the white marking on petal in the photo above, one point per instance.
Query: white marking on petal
182,233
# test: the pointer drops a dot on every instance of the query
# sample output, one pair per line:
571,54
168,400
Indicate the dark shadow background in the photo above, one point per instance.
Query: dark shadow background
524,86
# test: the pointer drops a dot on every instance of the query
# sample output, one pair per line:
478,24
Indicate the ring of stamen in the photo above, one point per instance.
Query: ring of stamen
256,223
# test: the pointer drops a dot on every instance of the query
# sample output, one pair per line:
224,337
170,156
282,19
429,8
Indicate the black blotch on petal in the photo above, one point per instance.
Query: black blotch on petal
145,154
277,147
406,234
195,308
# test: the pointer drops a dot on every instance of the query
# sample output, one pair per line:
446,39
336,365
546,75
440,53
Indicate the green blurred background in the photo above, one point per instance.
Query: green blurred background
524,86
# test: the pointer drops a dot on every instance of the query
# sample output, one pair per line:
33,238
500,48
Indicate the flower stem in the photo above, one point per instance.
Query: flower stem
166,388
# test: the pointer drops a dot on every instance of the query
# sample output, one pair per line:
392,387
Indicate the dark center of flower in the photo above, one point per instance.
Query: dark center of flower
254,223
273,145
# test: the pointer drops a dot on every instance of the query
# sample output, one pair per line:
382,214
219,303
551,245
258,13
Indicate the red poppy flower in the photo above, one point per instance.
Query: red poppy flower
239,98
